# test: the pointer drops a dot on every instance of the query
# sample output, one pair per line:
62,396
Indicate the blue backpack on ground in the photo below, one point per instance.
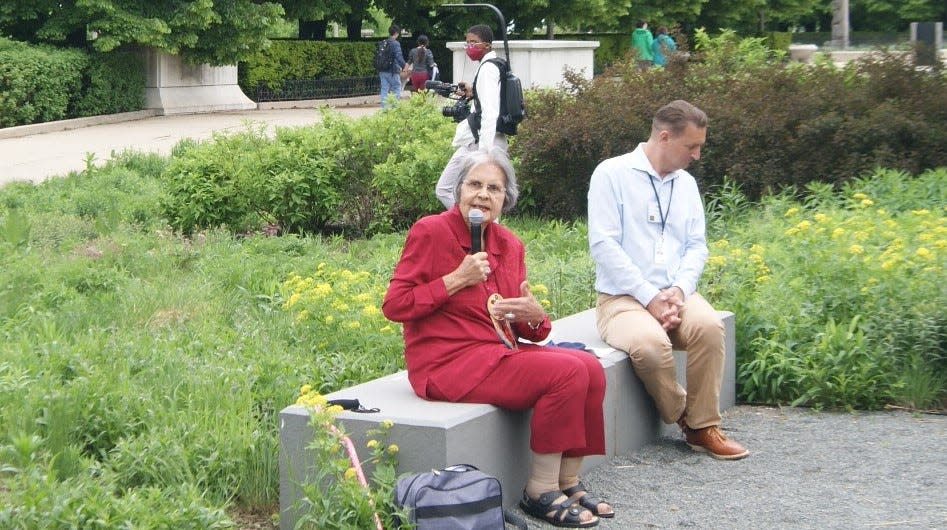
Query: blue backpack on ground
458,497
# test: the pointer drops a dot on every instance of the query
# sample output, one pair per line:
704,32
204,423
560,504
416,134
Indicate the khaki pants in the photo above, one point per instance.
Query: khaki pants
626,325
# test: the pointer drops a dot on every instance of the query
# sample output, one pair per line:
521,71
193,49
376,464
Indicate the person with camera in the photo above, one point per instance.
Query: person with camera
478,131
647,240
460,291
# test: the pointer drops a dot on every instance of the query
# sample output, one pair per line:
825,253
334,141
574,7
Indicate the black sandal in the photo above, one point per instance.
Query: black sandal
586,501
564,514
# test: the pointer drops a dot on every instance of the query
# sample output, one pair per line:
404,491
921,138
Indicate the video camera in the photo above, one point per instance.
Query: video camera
460,109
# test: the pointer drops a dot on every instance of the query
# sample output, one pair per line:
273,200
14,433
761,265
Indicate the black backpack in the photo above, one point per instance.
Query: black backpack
384,57
512,105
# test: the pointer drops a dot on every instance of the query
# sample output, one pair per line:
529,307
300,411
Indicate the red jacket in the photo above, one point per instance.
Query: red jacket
450,340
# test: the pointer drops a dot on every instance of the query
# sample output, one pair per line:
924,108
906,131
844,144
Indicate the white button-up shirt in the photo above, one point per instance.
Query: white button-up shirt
625,228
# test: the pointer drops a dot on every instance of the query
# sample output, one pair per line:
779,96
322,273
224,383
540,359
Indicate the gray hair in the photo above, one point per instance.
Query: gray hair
498,158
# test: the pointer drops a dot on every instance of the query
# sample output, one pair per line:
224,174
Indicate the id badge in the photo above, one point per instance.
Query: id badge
654,215
660,258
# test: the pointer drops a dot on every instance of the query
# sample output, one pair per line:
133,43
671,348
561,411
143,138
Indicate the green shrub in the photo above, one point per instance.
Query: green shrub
825,292
43,83
113,82
37,82
305,59
772,125
360,176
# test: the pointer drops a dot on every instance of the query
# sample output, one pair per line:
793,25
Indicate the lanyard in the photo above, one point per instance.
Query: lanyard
664,214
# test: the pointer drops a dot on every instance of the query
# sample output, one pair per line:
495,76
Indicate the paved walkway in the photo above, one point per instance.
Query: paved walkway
36,157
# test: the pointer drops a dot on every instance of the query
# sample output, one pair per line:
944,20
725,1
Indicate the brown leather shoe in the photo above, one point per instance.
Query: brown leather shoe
712,440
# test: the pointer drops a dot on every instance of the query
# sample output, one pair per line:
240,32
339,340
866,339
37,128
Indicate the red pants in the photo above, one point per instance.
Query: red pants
418,79
564,387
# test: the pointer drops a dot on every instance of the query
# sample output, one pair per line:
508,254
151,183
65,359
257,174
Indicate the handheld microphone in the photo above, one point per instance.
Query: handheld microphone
475,217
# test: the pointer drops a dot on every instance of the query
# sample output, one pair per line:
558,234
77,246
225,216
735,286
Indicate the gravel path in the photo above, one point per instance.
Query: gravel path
806,469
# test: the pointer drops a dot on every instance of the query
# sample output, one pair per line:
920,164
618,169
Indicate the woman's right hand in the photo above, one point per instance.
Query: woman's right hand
472,270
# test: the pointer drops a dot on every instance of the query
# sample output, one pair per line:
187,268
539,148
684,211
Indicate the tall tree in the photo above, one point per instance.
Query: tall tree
314,16
201,31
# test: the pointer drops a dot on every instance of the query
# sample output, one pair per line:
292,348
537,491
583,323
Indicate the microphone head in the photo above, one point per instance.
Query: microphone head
475,216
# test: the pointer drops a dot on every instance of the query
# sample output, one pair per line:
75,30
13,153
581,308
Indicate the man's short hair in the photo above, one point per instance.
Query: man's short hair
394,29
641,23
676,115
483,31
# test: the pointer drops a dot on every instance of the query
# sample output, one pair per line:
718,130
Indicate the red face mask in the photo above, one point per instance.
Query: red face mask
476,53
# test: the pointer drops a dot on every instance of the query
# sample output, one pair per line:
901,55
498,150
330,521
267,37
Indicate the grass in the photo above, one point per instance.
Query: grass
141,371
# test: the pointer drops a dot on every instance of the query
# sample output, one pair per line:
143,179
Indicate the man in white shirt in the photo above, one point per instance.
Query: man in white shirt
646,237
486,104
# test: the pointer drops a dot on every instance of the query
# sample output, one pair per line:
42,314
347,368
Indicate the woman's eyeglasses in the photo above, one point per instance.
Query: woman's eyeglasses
475,186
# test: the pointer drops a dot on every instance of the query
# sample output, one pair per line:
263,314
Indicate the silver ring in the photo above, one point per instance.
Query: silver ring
509,316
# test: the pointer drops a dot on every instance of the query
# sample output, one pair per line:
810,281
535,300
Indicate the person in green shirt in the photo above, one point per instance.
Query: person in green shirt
641,41
662,46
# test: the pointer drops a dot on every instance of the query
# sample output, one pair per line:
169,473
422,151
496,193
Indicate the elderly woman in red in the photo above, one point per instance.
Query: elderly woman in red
462,313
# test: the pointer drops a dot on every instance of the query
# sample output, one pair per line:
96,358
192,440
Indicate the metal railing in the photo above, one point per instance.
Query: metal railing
300,89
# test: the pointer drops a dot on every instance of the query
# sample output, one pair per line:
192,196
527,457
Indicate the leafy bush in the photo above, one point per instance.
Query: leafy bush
37,82
305,59
113,82
359,176
43,83
825,292
772,125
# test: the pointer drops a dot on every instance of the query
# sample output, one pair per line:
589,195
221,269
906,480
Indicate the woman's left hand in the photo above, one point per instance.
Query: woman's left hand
525,308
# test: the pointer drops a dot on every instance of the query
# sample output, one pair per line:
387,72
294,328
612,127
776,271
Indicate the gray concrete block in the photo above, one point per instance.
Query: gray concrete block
433,435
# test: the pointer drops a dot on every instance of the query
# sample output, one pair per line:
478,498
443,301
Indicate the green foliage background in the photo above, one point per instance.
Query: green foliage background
772,124
43,83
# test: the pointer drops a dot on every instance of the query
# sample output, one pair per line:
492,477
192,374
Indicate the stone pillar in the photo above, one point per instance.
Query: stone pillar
173,86
927,39
537,63
840,26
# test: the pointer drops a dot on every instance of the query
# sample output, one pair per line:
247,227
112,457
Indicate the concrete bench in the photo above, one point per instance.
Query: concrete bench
434,434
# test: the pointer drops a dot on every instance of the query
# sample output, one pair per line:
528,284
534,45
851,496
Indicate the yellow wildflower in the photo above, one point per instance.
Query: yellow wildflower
717,261
545,302
838,232
293,298
820,217
387,424
867,202
350,473
924,253
856,249
790,212
303,315
329,319
540,288
371,310
386,328
372,444
355,324
762,279
392,448
305,389
860,195
334,409
922,212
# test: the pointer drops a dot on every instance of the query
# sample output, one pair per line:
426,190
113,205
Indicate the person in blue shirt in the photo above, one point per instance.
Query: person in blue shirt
647,240
662,46
391,79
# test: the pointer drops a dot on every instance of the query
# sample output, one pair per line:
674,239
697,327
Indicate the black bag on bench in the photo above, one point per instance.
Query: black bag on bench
458,497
